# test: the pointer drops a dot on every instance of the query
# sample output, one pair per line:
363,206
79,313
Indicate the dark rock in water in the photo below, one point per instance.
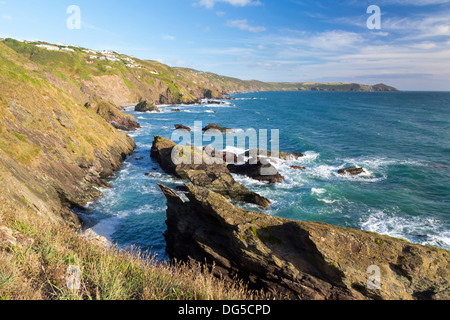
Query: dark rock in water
298,168
213,126
227,157
353,171
145,106
139,158
147,174
441,167
181,127
255,153
176,110
260,170
202,170
300,260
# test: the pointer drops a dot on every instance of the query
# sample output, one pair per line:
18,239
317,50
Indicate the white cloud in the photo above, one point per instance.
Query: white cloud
6,17
168,37
243,25
236,3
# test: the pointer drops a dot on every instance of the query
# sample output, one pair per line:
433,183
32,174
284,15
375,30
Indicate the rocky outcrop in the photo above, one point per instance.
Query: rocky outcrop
353,171
227,157
260,169
113,115
202,170
300,260
182,127
254,153
146,106
297,167
213,126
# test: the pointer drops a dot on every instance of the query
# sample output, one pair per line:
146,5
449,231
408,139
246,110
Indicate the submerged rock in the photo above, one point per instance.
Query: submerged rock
353,171
300,260
202,170
260,170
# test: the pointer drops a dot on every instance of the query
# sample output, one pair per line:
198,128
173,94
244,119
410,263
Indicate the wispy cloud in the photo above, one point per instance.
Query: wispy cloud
168,37
6,17
236,3
243,25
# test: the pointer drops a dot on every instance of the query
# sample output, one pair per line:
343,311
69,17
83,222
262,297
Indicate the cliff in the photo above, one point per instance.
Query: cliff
54,151
300,260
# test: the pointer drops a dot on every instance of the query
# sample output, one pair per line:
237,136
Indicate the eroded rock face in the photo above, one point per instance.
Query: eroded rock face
206,174
300,260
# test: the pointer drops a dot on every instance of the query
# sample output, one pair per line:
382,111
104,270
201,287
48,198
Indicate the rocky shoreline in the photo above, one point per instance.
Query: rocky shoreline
287,258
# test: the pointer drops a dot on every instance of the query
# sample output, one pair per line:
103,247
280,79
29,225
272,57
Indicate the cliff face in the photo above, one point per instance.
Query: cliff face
300,260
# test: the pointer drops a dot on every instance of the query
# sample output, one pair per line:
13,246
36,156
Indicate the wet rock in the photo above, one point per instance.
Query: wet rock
255,153
146,106
227,157
298,168
260,170
182,127
213,126
300,260
353,171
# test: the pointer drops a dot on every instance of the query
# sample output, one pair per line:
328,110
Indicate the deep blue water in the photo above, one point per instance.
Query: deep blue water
401,139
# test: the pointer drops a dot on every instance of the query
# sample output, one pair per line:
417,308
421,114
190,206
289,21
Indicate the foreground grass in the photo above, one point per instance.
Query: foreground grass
37,269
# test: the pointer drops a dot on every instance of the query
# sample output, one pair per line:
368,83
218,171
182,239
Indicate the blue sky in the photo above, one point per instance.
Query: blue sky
268,40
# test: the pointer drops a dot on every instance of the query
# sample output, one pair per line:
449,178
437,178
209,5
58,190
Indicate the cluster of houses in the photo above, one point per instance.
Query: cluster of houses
105,55
51,47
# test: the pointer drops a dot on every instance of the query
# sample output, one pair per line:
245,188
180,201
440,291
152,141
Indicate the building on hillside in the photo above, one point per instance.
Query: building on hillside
48,47
90,61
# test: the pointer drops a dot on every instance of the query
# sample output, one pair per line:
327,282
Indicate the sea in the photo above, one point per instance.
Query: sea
400,139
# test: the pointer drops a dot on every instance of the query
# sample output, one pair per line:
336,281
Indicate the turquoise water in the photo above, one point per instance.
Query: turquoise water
401,139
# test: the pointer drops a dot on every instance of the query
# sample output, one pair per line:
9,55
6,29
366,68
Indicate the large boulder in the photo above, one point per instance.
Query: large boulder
213,126
300,260
260,169
202,170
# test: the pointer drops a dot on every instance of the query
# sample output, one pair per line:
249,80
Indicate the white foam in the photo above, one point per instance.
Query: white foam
106,227
394,225
318,191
